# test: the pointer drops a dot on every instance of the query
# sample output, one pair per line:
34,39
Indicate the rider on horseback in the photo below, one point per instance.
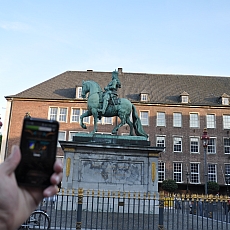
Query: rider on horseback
122,111
110,91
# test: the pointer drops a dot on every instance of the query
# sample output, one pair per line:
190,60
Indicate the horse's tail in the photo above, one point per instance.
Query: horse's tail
137,123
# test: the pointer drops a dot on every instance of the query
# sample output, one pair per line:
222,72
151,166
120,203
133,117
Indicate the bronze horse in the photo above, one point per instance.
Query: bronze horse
122,110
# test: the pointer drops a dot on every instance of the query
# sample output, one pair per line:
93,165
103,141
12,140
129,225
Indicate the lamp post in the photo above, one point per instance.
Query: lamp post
187,175
205,139
227,180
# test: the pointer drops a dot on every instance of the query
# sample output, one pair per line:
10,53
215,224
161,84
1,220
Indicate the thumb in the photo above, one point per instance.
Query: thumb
13,160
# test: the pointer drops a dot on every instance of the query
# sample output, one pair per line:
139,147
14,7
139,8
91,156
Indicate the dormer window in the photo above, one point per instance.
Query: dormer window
225,99
184,97
78,91
144,96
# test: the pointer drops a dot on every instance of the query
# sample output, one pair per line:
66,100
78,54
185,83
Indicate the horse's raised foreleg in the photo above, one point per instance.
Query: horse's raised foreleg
86,114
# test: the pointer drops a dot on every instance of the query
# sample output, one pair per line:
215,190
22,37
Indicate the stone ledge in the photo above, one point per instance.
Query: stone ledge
111,139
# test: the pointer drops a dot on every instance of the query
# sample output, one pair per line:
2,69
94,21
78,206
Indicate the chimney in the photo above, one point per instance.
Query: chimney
119,70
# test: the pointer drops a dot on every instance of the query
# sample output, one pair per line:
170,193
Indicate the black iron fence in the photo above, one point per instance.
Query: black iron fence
88,209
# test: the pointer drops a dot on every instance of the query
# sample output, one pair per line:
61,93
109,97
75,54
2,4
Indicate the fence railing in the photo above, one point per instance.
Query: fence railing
89,209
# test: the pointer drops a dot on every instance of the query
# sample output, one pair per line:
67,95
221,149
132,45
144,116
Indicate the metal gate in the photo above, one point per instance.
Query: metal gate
89,209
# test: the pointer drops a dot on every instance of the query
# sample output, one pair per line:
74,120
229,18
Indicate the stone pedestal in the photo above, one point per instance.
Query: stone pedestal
109,162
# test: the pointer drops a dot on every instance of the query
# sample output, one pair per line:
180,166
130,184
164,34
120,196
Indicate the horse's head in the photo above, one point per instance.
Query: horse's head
90,87
85,89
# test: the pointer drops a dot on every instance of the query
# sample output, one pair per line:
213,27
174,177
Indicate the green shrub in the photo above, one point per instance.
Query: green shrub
213,187
169,185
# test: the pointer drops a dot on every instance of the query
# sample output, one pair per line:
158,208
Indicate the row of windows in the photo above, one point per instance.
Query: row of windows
194,144
193,175
194,120
60,114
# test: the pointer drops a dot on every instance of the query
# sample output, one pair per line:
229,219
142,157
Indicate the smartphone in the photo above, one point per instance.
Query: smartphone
38,149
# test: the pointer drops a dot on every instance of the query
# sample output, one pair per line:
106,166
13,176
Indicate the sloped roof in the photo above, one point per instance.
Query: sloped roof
162,88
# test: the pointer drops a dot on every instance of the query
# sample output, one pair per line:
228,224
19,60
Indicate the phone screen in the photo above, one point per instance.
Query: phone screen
38,148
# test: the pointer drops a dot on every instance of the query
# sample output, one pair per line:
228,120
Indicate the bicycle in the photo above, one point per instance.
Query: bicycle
38,220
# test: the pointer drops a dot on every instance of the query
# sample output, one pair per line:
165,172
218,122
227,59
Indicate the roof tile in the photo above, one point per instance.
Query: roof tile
162,88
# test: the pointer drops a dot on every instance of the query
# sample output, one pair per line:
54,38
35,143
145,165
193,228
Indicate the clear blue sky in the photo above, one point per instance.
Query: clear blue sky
40,39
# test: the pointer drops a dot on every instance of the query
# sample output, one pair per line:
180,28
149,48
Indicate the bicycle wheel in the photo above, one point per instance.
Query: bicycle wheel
39,220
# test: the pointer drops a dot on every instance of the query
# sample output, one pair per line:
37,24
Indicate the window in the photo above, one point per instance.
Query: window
225,101
160,141
161,171
160,119
177,119
76,113
211,121
107,120
226,121
63,114
61,137
227,170
194,120
184,99
75,117
211,145
177,144
194,145
144,116
59,114
53,113
144,97
226,145
212,172
78,92
194,173
177,172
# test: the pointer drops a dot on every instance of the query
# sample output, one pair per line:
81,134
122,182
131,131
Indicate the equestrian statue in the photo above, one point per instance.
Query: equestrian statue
108,104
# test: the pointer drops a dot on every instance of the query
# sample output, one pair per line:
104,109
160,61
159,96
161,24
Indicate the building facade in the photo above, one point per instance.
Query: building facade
174,110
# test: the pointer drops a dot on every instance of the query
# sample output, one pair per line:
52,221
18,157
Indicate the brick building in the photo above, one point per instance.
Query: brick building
174,110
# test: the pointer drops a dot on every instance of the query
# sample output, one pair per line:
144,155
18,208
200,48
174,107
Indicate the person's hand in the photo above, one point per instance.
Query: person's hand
17,203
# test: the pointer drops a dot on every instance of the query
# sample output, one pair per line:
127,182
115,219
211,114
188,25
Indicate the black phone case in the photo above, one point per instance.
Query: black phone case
38,147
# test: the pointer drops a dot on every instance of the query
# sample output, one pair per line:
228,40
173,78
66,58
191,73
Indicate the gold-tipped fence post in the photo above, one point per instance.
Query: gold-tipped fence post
79,208
161,211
